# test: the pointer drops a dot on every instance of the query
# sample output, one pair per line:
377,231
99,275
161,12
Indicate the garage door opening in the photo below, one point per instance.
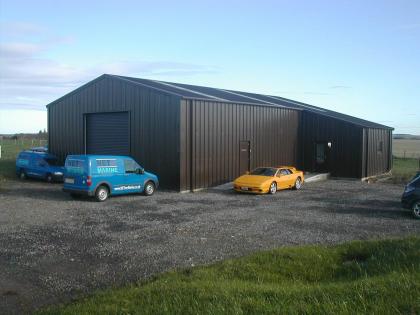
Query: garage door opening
107,133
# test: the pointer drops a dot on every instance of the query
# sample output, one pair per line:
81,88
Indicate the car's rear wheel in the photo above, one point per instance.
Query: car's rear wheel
149,189
416,209
22,174
298,184
101,193
273,188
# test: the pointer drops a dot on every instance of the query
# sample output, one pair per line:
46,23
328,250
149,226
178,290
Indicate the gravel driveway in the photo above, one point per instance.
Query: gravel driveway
53,248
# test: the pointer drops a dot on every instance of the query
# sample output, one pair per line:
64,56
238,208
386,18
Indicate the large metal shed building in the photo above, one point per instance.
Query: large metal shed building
195,137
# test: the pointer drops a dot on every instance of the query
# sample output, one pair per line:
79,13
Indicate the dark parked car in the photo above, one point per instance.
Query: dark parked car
411,196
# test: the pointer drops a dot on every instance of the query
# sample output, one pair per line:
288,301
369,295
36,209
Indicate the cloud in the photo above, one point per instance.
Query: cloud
29,79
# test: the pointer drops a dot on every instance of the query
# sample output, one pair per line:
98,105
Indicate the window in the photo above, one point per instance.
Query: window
75,163
106,162
52,161
130,166
75,166
264,171
284,172
380,147
40,162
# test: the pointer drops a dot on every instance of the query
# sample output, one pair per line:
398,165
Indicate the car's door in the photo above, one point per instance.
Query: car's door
284,178
133,179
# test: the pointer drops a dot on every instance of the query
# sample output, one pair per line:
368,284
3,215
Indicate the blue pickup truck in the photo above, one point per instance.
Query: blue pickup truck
38,164
100,176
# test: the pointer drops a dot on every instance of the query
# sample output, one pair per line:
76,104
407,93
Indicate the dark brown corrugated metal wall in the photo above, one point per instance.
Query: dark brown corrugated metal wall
211,133
347,144
378,151
154,127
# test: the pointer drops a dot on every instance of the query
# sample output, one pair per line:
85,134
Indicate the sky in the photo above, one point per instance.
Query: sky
361,58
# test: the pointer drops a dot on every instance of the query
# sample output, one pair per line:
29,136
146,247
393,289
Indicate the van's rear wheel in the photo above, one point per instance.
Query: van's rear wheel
101,193
149,189
22,174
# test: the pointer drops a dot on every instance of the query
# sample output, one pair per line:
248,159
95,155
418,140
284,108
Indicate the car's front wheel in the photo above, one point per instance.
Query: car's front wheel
101,193
273,188
149,189
298,184
416,209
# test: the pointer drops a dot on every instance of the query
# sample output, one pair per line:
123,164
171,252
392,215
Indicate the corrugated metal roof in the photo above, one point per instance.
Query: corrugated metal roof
202,92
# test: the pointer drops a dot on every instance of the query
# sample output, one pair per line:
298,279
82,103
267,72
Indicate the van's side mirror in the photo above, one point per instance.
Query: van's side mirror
140,171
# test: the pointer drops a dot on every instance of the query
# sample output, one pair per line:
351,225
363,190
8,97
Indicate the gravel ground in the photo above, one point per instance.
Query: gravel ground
54,249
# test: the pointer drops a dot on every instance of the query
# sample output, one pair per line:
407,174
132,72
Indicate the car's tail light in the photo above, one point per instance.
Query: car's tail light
89,181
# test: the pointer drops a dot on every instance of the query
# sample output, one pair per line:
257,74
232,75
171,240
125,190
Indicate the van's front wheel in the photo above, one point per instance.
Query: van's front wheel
149,189
101,193
49,178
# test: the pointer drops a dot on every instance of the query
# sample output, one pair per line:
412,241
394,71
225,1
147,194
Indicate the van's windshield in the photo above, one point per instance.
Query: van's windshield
52,161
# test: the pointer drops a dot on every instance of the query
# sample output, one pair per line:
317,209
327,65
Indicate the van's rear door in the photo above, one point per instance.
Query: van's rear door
76,172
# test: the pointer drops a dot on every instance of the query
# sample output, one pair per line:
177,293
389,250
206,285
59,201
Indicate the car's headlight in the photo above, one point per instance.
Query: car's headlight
58,173
409,188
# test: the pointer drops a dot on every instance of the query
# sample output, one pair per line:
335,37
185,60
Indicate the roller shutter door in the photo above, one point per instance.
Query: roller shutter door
107,133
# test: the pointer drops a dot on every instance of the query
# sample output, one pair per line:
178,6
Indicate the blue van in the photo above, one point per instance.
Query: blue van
38,164
104,175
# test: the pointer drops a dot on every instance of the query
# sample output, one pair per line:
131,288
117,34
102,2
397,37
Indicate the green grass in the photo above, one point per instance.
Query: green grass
362,277
404,169
9,150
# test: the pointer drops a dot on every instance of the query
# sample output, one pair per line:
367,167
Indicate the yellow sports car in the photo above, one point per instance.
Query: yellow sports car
265,180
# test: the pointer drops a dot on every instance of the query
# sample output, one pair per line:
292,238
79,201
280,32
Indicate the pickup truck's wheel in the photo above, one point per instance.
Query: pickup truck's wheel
101,193
273,188
22,174
298,184
149,189
49,178
416,209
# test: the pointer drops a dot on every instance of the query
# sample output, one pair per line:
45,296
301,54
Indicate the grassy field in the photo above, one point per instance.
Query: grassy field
404,169
362,277
406,148
9,151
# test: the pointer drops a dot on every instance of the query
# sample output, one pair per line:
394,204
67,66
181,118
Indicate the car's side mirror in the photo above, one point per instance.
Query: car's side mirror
140,171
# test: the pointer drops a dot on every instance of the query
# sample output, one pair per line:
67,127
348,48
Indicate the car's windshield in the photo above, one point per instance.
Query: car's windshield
52,161
415,178
264,171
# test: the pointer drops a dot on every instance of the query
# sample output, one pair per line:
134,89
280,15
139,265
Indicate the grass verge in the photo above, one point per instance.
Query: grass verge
369,277
404,169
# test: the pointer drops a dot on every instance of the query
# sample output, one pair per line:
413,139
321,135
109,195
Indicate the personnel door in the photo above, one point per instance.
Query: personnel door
322,156
244,157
